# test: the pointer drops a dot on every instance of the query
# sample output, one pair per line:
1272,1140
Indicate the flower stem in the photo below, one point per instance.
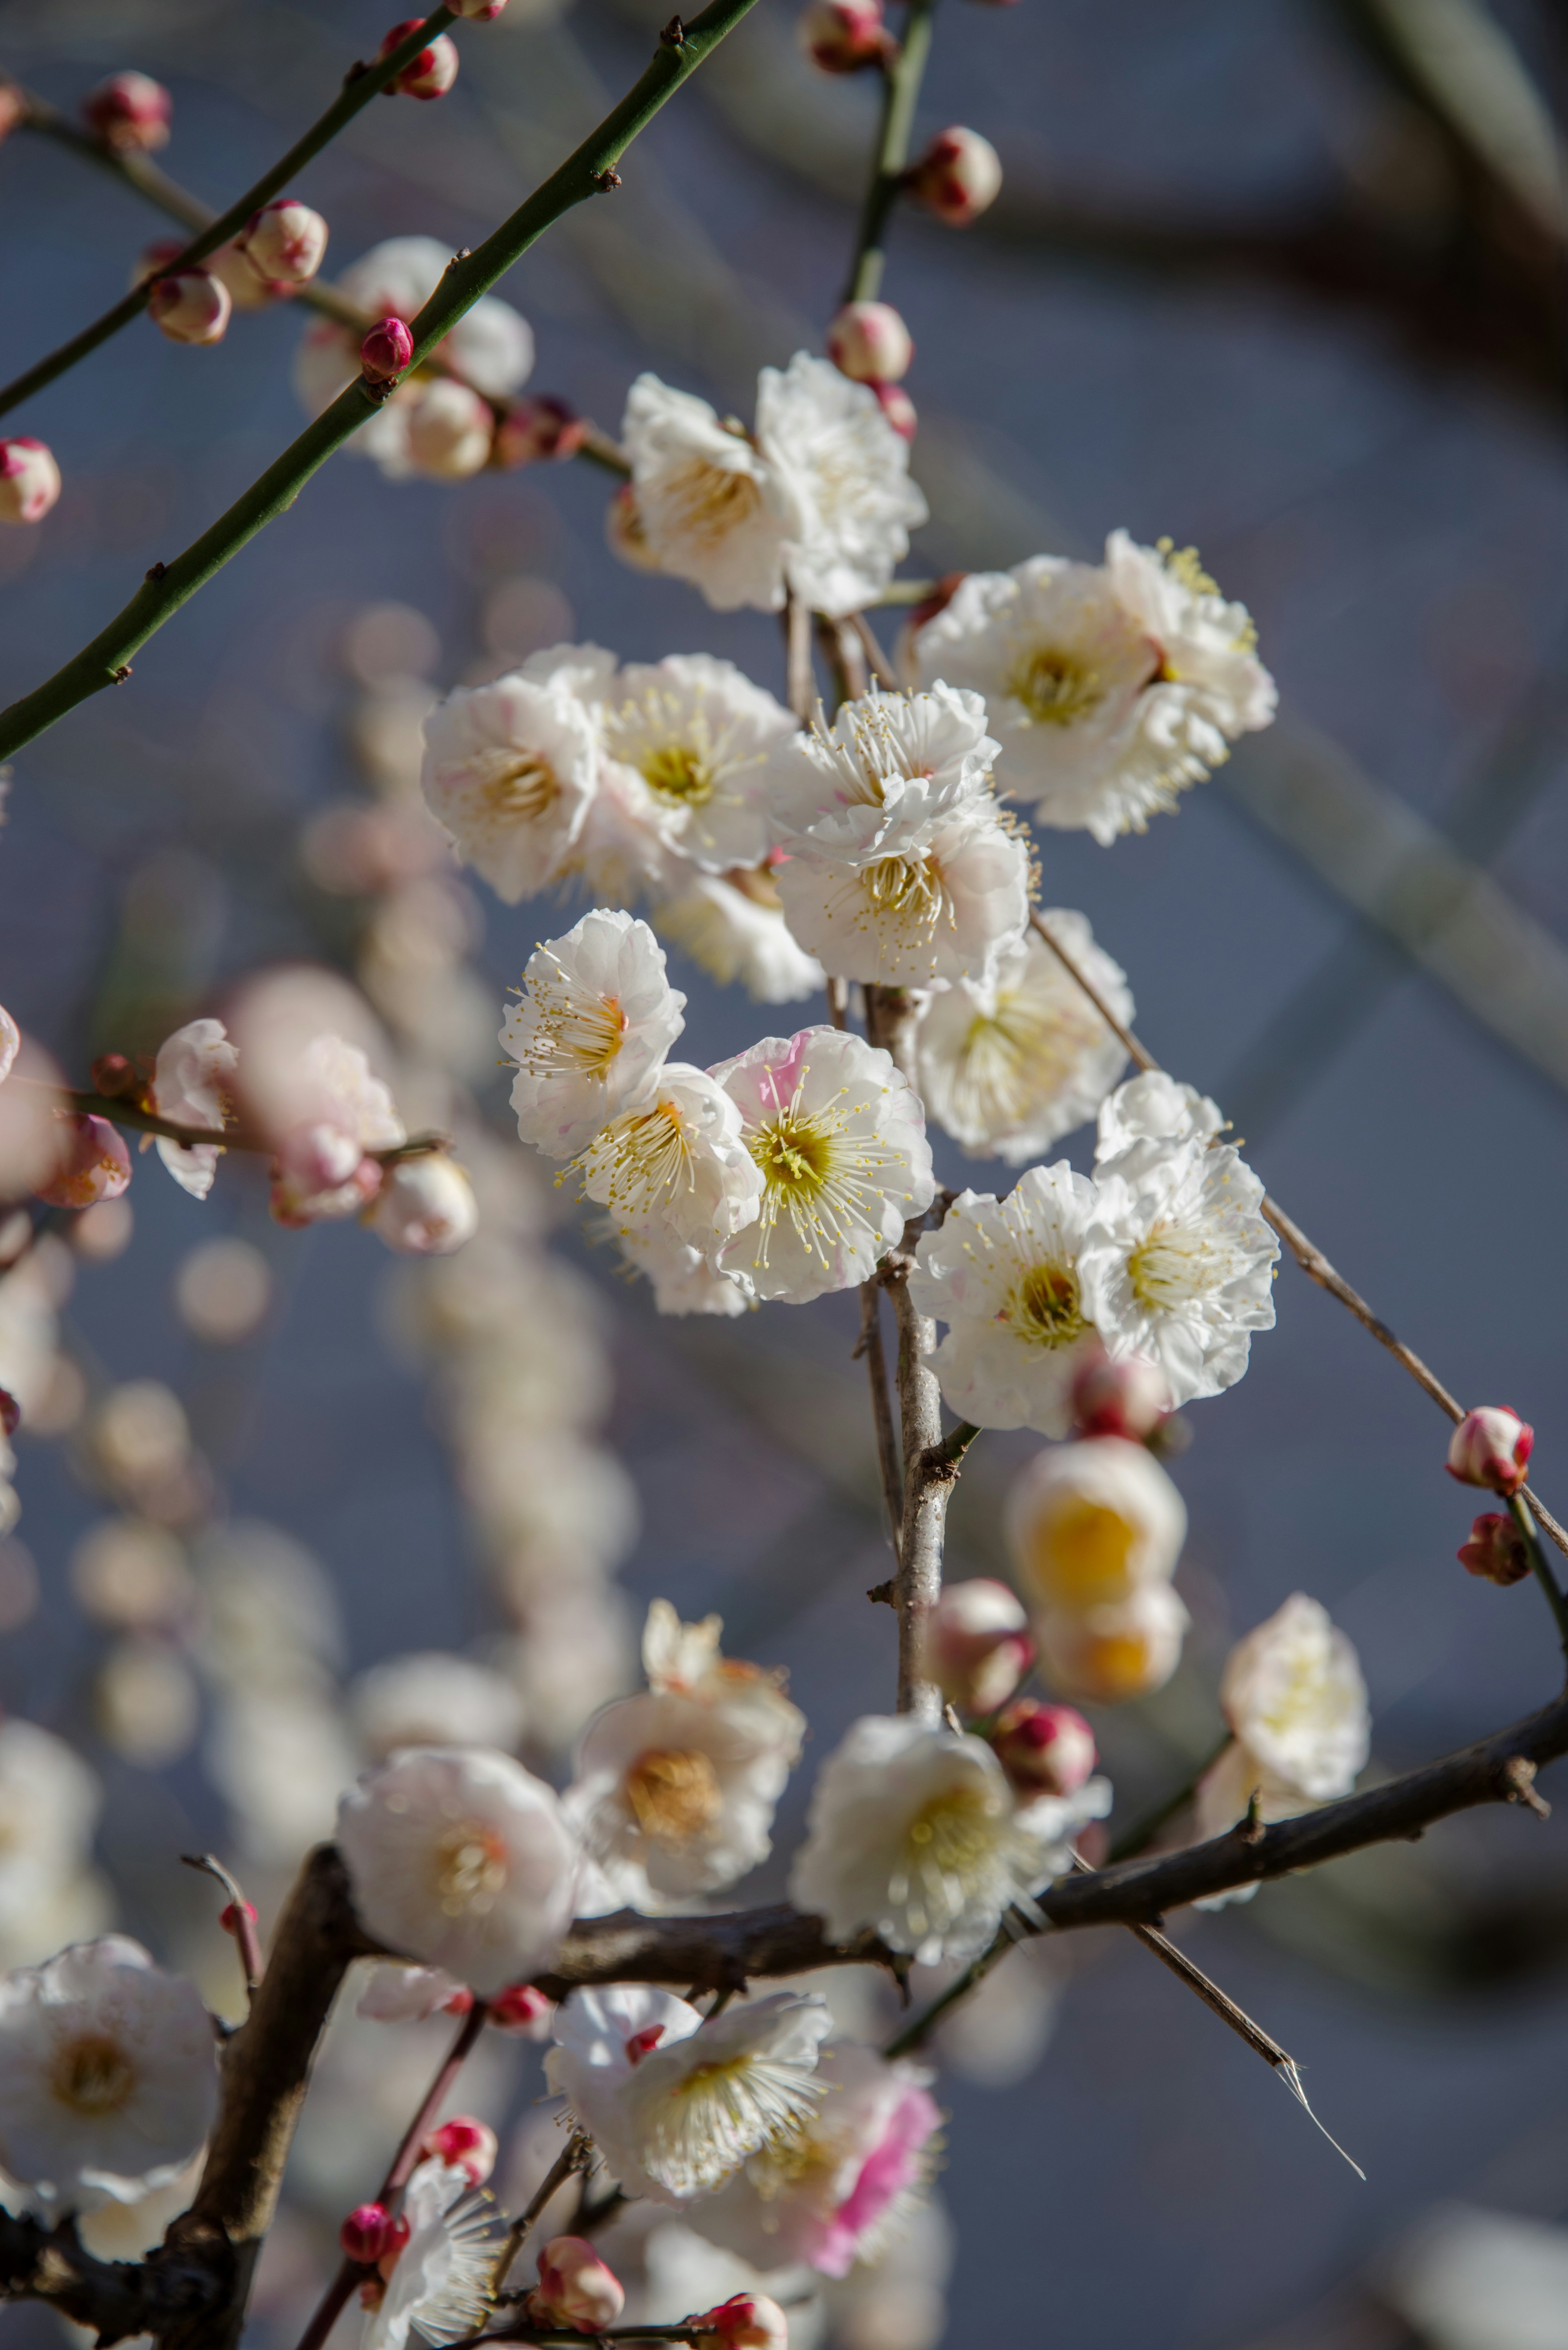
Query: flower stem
357,92
1555,1599
574,2156
585,172
900,95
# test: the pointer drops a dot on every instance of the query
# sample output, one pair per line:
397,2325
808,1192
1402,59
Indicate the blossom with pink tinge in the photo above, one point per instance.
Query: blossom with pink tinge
1127,1399
194,1073
370,2232
575,2289
325,1167
430,72
129,111
193,307
465,2144
425,1206
450,430
386,350
1045,1749
286,242
1496,1550
29,479
869,342
843,35
976,1646
92,1163
1491,1447
958,177
748,2322
536,430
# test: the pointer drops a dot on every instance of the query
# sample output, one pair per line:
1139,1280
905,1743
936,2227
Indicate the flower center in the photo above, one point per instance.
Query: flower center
1044,1309
708,502
92,2074
673,1794
954,1833
648,1155
471,1868
524,787
578,1034
1054,687
676,772
905,886
794,1154
1081,1558
1175,1264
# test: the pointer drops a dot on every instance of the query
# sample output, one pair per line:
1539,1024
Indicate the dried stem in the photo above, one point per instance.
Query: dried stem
574,2156
1555,1600
871,1347
245,1926
800,685
900,96
876,660
917,1586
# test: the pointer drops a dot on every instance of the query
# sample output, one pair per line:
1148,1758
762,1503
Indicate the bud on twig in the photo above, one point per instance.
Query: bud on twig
958,175
536,428
749,2322
129,111
868,342
29,479
1496,1550
1045,1749
193,307
522,2008
976,1648
369,2233
1128,1398
92,1164
386,350
286,242
116,1077
463,2144
576,2288
844,36
1491,1447
429,73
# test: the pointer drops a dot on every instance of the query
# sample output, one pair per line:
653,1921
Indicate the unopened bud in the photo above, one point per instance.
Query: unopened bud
116,1077
10,1413
451,428
523,2009
464,2144
1128,1398
153,260
958,175
843,35
29,479
898,408
1045,1749
975,1646
229,1916
575,2288
425,1206
1491,1447
1108,1655
749,2322
369,2233
130,110
430,72
387,350
92,1163
193,307
286,242
533,429
624,533
869,342
1496,1550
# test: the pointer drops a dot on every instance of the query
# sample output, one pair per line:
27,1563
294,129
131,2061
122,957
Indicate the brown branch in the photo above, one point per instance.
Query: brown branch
916,1585
871,1347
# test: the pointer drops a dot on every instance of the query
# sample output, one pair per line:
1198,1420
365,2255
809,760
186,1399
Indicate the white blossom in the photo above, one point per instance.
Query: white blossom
108,2076
839,1139
683,1279
10,1044
460,1858
1111,685
399,1994
1006,1278
694,736
675,2104
190,1085
510,771
1152,1113
850,472
1178,1264
434,1698
1107,1655
1294,1695
325,1166
732,925
1008,1067
1089,1524
711,510
915,1833
677,1154
49,1804
441,2286
877,744
594,1018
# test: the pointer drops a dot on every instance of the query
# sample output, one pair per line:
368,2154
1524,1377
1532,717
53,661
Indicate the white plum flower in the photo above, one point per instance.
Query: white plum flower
877,744
1111,685
677,2104
830,440
694,736
1090,1524
434,1698
594,1021
108,2076
442,2282
49,1804
400,1994
342,1115
915,1834
840,1142
510,770
1005,1275
1151,1113
1009,1066
463,1859
732,925
1294,1695
191,1082
710,510
1106,1655
683,1279
1178,1264
426,1206
676,1155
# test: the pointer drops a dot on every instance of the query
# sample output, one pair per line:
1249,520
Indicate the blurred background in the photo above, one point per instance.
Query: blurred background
1284,281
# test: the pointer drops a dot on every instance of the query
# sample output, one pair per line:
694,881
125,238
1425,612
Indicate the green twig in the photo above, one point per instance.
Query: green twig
900,96
589,172
1555,1598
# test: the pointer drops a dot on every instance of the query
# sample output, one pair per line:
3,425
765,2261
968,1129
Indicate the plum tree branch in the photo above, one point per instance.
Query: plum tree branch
589,171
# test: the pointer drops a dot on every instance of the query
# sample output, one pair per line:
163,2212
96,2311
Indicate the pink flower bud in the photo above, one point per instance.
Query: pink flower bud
843,35
194,308
229,1917
575,2288
425,1207
1496,1550
976,1648
369,2233
1109,1398
868,342
130,110
463,2144
430,72
898,408
92,1163
451,428
958,176
386,350
533,430
246,289
29,479
10,1413
286,242
1491,1447
1045,1749
523,2009
749,2322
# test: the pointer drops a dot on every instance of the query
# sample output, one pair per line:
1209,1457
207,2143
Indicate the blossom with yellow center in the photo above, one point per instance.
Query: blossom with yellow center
595,1017
510,771
676,1155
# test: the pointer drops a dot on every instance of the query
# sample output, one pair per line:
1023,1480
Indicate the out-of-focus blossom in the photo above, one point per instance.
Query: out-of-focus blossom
325,1167
975,1646
286,241
191,307
1090,1524
400,1994
537,430
92,1163
1108,1655
510,769
1496,1550
430,72
49,1804
1491,1447
223,1290
191,1085
129,111
844,36
957,178
425,1206
594,1018
1044,1748
146,1705
441,2285
734,926
435,1699
575,2290
1296,1703
869,342
449,427
29,479
1128,1398
10,1044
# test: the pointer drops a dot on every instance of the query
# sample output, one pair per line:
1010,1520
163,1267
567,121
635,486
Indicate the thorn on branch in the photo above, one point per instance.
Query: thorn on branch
1251,1829
1518,1777
883,1592
356,72
121,673
673,35
607,179
157,571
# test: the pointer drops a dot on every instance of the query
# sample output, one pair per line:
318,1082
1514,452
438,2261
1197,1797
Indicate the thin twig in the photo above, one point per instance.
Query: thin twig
123,1112
800,686
882,1408
917,1586
876,660
900,96
1549,1584
247,1942
574,2156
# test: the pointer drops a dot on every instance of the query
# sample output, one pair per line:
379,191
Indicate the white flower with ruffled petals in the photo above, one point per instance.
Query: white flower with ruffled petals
595,1019
10,1042
1008,1067
510,770
1111,685
1006,1278
696,735
849,469
108,2076
191,1082
1178,1264
442,2283
675,1156
1153,1112
878,744
683,1279
839,1140
712,509
915,1833
732,925
1294,1695
463,1859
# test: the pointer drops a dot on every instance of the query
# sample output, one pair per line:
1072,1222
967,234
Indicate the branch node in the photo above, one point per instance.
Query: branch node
356,72
121,673
1251,1829
673,35
883,1593
607,179
1519,1778
157,571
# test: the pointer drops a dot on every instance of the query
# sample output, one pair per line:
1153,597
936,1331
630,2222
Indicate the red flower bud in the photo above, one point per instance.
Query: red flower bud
369,2233
286,242
843,35
521,2008
463,2144
1496,1550
29,479
430,72
536,429
10,1413
1045,1749
386,350
1491,1447
229,1917
130,110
